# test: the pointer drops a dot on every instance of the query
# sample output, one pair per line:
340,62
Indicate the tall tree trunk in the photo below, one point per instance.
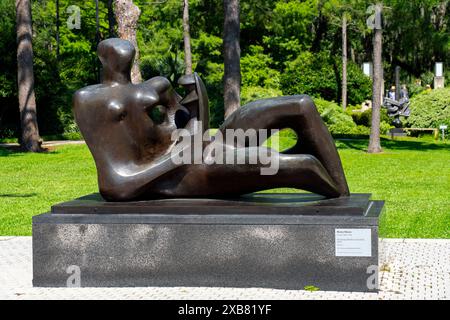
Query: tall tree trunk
397,83
111,19
374,142
344,61
97,23
127,15
97,40
187,38
30,140
352,54
232,57
57,29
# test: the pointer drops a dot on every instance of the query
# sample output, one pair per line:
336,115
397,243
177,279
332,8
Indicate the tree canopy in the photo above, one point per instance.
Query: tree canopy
287,47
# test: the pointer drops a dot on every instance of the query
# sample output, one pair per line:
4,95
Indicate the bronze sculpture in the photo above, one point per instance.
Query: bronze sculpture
128,129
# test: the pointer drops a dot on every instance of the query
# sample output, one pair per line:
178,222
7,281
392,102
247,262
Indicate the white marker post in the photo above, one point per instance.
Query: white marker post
443,128
439,79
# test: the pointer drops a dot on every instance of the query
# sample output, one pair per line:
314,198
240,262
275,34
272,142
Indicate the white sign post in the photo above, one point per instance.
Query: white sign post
439,69
439,79
443,128
367,69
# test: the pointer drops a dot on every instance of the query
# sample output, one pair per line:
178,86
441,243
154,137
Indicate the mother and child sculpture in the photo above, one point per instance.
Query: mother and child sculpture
129,131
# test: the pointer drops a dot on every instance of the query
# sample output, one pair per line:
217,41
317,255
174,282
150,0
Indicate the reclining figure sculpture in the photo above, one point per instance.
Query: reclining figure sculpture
129,131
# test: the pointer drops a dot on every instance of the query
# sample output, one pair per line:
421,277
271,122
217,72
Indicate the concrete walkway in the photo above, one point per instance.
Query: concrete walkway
45,143
409,269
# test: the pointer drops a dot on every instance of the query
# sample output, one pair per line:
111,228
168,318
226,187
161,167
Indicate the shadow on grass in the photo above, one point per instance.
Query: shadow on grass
16,151
361,145
15,195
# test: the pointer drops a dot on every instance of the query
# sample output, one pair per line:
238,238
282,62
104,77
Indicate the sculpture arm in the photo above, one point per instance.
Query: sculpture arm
122,182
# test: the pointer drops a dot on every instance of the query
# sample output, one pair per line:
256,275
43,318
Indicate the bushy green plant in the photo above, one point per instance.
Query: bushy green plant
430,109
256,71
308,74
415,89
385,127
337,121
289,28
427,78
365,118
319,76
249,94
359,86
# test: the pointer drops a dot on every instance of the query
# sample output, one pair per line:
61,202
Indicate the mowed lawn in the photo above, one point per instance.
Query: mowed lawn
411,175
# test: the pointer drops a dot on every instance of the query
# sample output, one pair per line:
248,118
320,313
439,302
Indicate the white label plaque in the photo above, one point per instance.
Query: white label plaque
439,69
353,242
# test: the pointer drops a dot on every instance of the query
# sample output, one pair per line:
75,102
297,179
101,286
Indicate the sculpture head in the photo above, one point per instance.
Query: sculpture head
116,56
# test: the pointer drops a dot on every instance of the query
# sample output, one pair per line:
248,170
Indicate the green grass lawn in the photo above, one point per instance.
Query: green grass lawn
412,175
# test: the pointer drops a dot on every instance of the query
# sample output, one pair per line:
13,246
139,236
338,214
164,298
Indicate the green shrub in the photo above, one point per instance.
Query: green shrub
385,127
362,118
256,71
319,76
308,74
7,132
249,94
365,118
337,121
359,85
430,109
415,89
427,78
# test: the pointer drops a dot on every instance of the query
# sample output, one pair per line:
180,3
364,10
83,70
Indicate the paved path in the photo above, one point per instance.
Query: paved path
410,269
45,143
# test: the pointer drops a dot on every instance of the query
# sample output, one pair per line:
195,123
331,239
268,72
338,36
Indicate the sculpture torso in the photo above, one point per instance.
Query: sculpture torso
121,114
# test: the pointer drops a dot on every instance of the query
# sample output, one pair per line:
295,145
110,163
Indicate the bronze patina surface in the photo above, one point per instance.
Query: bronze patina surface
128,129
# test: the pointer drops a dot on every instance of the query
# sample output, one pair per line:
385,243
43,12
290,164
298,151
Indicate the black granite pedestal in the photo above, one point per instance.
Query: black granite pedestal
285,241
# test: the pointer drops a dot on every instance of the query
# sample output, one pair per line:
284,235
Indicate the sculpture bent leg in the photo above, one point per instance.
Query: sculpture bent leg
299,114
296,171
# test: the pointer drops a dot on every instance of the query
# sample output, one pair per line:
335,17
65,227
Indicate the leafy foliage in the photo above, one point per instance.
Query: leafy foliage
290,29
319,76
256,71
287,46
430,109
250,94
337,120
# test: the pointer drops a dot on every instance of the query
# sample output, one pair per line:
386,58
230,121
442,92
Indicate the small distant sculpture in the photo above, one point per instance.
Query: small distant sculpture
391,93
397,108
129,131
